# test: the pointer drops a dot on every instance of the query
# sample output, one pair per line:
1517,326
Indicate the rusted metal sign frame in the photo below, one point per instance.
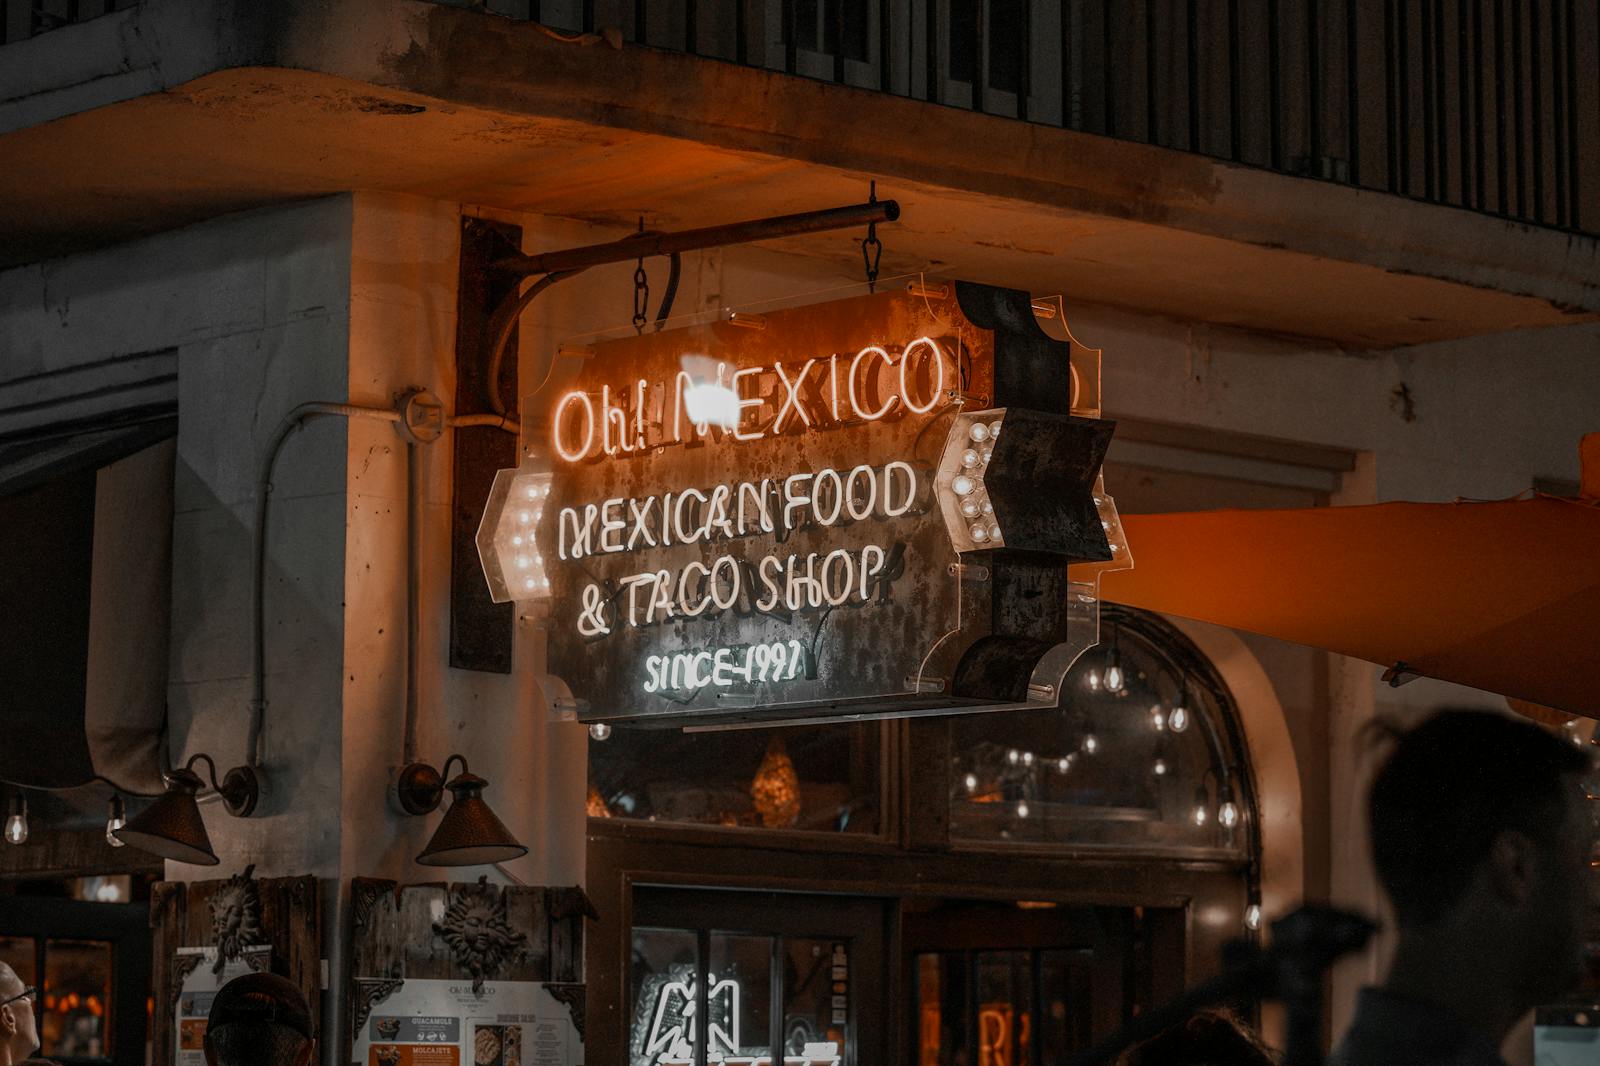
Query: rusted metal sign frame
957,633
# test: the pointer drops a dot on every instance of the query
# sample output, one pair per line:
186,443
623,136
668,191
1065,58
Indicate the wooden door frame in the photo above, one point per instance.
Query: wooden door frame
624,856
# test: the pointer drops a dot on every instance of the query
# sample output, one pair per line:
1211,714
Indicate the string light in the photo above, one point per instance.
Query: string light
1158,720
1228,815
1202,812
1178,720
17,821
116,818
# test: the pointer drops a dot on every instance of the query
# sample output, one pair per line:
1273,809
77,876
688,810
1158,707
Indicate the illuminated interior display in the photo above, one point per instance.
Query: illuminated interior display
718,518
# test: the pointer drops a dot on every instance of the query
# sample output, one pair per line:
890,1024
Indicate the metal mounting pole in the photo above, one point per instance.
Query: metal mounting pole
694,240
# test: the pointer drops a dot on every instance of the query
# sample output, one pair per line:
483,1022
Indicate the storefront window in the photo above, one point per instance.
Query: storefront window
77,995
1140,754
822,778
742,974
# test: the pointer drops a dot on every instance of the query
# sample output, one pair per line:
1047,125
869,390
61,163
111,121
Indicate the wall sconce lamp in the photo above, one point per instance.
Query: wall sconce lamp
469,834
172,828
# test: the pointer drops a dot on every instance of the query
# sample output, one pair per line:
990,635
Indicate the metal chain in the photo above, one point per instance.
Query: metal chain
641,291
871,247
641,298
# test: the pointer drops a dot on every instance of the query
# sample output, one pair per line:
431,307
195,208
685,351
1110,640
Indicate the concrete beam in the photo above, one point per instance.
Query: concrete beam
453,104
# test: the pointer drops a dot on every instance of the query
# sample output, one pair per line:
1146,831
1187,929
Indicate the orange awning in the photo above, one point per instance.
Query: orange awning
1502,596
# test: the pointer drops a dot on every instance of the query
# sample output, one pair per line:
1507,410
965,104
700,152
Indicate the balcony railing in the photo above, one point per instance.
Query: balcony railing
1488,105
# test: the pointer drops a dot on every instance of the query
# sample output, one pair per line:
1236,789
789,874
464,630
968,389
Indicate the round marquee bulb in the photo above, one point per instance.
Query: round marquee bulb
599,731
525,517
530,583
969,458
1228,816
516,541
994,429
533,492
987,508
969,507
986,454
979,432
979,534
994,530
522,562
1178,720
963,485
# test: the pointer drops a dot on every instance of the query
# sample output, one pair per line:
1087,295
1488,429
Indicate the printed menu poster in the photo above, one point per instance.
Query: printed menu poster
199,988
445,1023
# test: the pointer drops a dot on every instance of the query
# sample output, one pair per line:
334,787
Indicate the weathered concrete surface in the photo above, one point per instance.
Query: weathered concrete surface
306,99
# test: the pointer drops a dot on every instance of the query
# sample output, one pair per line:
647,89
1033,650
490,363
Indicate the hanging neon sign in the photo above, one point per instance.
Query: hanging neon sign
725,519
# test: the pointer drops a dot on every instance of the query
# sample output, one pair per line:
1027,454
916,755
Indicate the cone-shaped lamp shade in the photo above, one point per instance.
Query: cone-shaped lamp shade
470,834
171,827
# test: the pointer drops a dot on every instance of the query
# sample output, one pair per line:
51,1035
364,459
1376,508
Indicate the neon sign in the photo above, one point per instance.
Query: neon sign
721,519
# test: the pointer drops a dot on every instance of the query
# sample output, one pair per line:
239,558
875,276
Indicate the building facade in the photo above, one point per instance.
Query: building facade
1331,253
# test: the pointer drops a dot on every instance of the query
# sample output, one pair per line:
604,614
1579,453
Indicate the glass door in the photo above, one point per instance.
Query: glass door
725,978
1026,983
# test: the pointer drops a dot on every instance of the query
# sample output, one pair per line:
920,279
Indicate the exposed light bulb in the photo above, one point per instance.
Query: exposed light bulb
116,818
525,517
969,507
1228,815
1064,763
599,731
987,507
1178,720
1114,678
1022,809
1158,720
1252,917
969,458
1013,756
1200,815
1027,758
971,782
17,822
963,485
1159,768
1092,679
979,533
979,432
994,429
1091,744
986,454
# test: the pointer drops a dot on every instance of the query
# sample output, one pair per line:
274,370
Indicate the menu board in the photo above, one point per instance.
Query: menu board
201,981
447,1023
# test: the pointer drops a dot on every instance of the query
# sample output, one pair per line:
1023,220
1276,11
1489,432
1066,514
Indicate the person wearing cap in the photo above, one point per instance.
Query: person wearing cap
259,1019
19,1029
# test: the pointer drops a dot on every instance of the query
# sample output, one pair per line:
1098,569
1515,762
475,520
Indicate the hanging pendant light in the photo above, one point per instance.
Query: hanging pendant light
172,828
469,834
17,820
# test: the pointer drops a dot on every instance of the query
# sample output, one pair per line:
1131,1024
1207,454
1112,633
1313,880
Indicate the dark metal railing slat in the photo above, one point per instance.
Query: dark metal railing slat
1352,90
